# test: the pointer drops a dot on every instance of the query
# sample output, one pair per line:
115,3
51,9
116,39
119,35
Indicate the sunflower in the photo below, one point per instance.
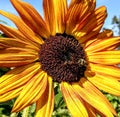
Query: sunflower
66,46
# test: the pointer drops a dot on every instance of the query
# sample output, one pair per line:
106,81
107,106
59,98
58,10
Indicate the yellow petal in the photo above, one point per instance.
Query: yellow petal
12,32
92,96
89,73
106,70
74,104
98,38
105,57
87,85
106,84
45,104
78,11
11,94
31,92
102,44
54,12
17,77
31,17
89,31
24,29
11,57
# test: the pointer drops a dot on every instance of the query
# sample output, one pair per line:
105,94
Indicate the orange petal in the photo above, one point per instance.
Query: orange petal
11,57
88,31
91,111
11,42
105,57
12,32
112,71
107,33
54,12
101,36
17,77
12,45
74,104
106,84
31,92
77,13
94,97
24,29
83,1
102,44
45,104
31,17
15,42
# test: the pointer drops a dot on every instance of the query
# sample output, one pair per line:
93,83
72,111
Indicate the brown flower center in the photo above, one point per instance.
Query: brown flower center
63,58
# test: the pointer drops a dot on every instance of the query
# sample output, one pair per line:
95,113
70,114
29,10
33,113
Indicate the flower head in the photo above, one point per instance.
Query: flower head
66,46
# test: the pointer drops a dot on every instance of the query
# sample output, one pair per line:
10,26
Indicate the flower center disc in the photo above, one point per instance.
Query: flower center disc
63,58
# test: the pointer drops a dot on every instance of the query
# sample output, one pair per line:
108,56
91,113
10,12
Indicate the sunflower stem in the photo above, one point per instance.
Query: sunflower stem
25,112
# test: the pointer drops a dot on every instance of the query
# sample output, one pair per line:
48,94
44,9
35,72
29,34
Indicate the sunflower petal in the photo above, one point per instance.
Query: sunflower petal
88,31
77,13
102,44
24,29
45,104
93,96
54,12
14,33
105,34
101,36
91,111
17,77
9,42
11,94
106,84
14,42
73,2
105,57
31,92
13,81
11,32
106,70
73,101
31,17
87,85
11,57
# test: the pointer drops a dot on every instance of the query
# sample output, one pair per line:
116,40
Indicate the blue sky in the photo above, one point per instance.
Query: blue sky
113,8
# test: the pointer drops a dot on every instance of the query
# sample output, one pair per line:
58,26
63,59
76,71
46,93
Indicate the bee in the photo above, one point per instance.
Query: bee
82,62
